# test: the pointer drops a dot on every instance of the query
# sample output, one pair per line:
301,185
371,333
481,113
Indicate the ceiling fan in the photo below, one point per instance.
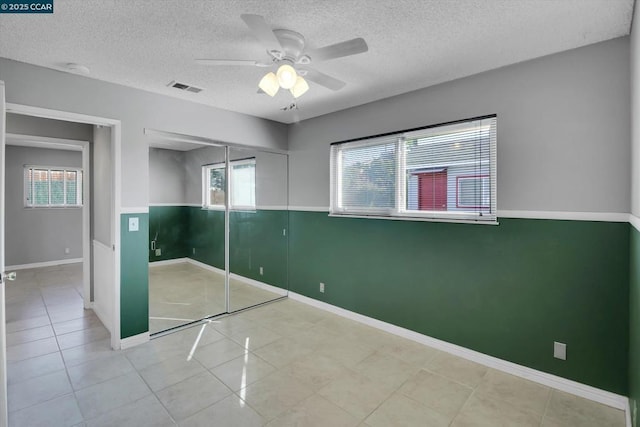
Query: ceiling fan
287,50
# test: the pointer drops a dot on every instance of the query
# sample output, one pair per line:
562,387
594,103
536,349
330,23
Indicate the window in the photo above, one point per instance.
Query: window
242,185
47,187
473,192
441,172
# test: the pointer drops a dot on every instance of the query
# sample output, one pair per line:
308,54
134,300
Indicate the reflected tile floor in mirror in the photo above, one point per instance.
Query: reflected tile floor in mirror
281,364
183,292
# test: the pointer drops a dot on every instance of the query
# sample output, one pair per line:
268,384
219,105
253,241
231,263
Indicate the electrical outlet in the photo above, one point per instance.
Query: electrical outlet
261,271
194,251
158,252
560,350
322,287
67,250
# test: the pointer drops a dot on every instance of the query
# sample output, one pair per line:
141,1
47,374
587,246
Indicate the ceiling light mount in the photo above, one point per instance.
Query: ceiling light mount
292,43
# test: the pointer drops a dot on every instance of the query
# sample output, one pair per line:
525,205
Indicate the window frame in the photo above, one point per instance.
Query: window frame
206,192
400,210
206,189
337,210
28,204
465,177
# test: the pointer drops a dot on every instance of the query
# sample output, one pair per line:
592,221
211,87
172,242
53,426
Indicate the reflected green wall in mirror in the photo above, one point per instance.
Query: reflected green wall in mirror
256,240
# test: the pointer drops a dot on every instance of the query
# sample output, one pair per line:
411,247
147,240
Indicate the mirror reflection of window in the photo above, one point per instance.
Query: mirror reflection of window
242,185
216,186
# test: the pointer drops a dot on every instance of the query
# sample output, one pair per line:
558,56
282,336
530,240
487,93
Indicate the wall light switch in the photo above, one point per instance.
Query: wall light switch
134,224
560,350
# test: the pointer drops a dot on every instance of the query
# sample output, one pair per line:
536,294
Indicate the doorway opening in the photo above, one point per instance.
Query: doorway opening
90,192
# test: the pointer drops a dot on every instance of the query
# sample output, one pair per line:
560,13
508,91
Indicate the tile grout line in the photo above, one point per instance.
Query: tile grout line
546,406
66,368
72,392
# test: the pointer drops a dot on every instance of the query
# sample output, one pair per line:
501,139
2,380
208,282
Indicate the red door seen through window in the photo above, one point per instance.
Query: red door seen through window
432,191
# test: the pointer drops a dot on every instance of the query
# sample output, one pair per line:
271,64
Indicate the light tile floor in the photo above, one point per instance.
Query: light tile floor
282,364
200,294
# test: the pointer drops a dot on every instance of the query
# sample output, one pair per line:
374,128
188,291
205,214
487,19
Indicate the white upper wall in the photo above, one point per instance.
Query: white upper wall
563,130
167,176
635,110
136,109
37,126
271,173
564,126
34,235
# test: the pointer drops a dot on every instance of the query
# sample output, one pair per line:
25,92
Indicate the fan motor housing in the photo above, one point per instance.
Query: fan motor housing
292,44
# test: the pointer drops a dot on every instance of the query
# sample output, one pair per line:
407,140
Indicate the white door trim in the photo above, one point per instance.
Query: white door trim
116,142
4,420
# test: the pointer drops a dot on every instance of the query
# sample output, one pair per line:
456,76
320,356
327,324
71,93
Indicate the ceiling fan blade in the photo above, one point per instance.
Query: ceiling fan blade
324,79
240,62
338,50
262,31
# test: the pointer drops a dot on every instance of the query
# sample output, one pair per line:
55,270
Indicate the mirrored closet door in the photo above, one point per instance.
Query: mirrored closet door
187,192
258,227
218,229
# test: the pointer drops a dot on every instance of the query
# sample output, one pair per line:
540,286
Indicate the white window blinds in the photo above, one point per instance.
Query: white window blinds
440,172
48,187
366,174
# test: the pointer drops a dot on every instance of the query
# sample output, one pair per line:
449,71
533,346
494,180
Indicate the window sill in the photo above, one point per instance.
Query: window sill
53,207
415,218
222,209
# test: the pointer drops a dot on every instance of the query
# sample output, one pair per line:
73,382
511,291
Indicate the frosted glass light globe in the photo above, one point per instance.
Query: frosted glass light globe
287,76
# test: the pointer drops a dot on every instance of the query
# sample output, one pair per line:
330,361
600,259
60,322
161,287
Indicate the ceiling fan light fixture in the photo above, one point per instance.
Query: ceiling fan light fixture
287,76
269,84
300,87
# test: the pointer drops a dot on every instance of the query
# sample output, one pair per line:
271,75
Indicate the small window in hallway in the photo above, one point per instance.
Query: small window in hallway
47,187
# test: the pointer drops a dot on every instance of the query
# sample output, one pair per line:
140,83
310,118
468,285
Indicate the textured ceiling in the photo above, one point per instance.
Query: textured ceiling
412,43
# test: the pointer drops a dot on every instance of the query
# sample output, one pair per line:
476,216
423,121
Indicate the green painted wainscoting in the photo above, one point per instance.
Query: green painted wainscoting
168,225
256,239
634,322
205,239
134,276
508,291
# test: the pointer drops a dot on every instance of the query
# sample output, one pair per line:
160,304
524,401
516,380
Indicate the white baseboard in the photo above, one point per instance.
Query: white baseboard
133,341
257,284
44,264
204,266
167,262
104,318
248,281
588,392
